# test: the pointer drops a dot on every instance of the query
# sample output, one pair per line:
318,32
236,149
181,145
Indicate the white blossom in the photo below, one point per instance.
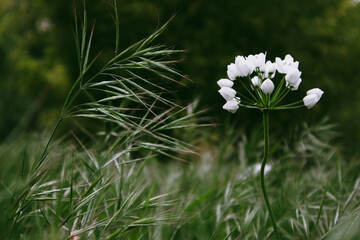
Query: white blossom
292,76
310,100
232,71
257,60
283,66
227,93
225,83
267,86
232,105
255,81
243,66
316,91
270,69
312,97
296,85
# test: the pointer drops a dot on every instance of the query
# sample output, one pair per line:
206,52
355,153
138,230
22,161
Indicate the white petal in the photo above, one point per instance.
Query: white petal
288,58
225,83
232,72
255,81
232,105
293,76
284,66
251,61
310,100
280,65
316,91
261,58
296,85
270,69
243,67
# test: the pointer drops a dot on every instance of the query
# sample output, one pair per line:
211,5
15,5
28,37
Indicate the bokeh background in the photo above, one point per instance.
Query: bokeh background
38,62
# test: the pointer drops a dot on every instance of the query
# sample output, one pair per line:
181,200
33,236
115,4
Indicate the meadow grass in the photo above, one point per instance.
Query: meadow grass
314,191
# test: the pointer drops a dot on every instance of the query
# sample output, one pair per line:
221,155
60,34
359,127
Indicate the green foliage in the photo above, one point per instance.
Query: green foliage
85,191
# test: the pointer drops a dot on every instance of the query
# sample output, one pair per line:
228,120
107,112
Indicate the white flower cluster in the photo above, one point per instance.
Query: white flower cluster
232,102
264,71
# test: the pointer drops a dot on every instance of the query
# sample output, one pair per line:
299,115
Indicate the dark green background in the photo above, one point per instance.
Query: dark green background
37,67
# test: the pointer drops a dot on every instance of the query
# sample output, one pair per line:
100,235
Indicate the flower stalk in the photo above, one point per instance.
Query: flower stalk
262,171
267,85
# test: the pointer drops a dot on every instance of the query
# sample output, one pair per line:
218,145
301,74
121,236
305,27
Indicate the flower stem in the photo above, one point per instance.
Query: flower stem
262,173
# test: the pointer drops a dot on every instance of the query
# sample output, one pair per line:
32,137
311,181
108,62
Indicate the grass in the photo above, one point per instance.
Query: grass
137,176
314,191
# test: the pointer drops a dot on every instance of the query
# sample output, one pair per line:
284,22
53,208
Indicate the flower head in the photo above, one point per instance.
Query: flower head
258,81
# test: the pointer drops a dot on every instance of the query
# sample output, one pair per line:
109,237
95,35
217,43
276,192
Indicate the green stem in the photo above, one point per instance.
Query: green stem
262,173
45,152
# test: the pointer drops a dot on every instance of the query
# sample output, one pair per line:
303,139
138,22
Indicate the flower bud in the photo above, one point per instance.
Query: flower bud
225,83
312,97
270,69
232,71
310,100
227,93
255,81
292,76
232,105
267,86
316,91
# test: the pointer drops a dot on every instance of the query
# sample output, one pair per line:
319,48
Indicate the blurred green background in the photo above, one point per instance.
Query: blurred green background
38,60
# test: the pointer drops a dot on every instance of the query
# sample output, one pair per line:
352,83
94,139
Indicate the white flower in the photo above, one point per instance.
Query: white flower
255,81
232,71
257,60
227,93
283,66
310,100
296,85
225,83
232,105
312,97
270,68
267,86
292,76
316,91
242,66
